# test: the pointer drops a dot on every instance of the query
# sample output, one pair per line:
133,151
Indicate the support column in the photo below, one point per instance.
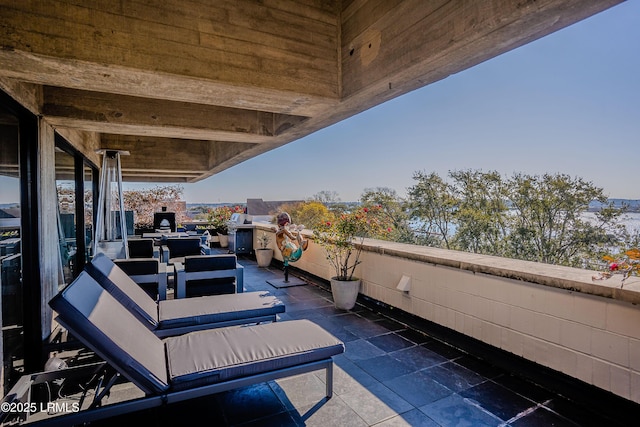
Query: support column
49,252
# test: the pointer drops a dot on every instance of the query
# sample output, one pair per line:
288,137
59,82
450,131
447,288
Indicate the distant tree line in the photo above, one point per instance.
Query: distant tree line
530,217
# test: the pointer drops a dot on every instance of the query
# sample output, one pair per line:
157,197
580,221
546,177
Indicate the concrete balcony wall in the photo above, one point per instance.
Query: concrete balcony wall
555,316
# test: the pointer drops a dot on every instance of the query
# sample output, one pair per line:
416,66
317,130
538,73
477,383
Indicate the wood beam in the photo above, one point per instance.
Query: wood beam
27,94
280,57
85,142
388,51
159,153
170,157
128,115
223,155
52,71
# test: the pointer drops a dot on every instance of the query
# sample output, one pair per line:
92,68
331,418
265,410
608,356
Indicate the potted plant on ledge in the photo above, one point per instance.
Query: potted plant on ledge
218,219
342,241
264,254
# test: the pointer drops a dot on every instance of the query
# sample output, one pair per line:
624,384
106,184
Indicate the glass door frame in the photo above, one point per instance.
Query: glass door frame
79,164
29,232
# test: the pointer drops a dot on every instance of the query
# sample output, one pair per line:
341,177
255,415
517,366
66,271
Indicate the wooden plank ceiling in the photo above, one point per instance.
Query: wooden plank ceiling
192,87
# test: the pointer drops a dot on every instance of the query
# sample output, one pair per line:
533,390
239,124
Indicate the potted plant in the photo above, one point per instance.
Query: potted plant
218,219
264,254
342,241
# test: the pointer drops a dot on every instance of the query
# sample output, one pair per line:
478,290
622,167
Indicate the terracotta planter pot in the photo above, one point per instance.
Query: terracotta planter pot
264,257
224,240
345,293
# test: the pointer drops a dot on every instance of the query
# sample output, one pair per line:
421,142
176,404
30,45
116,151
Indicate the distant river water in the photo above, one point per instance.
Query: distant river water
630,220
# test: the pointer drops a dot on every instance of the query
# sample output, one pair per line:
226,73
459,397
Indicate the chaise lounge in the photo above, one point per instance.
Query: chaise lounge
177,316
184,367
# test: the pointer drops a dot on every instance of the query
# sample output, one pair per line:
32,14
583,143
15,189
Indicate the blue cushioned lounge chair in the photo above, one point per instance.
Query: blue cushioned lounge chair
178,368
177,316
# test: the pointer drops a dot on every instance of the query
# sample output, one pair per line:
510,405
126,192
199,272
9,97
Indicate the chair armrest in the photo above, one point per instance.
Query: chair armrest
205,250
239,278
162,281
180,280
156,252
164,255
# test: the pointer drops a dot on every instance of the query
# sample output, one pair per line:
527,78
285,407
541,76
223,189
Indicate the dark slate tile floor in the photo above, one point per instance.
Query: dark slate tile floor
390,375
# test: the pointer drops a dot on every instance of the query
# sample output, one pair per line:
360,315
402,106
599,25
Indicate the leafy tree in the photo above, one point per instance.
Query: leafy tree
433,206
481,215
393,210
537,218
326,197
331,200
342,238
549,227
627,238
67,201
308,214
618,238
200,212
146,202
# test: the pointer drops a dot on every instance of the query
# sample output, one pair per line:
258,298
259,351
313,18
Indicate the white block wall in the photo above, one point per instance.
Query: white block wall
590,337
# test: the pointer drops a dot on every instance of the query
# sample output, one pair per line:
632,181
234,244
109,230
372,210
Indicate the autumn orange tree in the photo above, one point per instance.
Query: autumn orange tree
627,264
306,213
342,238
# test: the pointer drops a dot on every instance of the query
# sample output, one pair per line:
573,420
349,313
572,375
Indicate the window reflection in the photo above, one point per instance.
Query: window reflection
88,179
66,191
11,340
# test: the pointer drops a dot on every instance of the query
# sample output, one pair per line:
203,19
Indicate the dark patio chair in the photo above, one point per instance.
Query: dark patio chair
176,249
149,273
143,248
202,275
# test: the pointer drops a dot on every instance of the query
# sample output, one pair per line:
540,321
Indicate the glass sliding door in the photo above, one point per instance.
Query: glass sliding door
76,182
67,233
89,183
11,342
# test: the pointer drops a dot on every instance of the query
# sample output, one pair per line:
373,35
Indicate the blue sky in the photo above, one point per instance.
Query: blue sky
567,103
